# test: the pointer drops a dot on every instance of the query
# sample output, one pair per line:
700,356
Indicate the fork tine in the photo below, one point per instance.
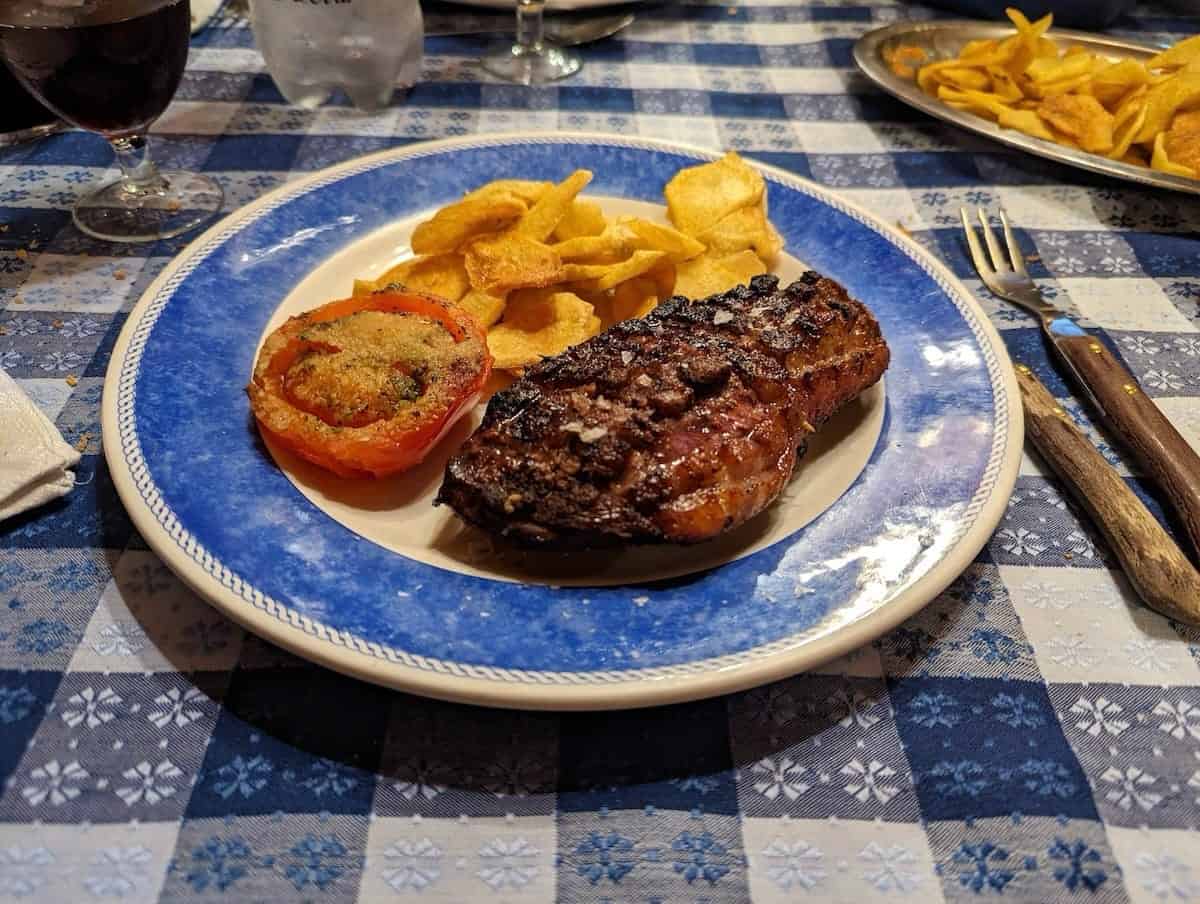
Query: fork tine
977,256
998,260
1014,250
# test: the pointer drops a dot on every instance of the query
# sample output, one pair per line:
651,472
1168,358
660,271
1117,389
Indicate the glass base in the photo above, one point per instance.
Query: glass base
30,134
172,205
531,65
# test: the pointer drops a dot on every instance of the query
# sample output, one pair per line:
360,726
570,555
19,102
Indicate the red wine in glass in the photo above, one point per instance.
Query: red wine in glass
112,66
111,77
21,116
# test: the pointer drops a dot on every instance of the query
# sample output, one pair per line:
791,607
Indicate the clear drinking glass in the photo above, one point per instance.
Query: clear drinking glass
532,60
112,66
22,118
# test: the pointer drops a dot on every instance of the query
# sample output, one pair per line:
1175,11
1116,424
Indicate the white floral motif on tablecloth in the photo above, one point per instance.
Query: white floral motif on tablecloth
1099,715
1132,786
508,863
23,870
781,775
91,708
412,865
794,864
890,868
55,783
115,872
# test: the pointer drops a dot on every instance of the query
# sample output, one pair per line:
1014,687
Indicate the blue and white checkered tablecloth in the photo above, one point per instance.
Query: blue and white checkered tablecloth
1033,735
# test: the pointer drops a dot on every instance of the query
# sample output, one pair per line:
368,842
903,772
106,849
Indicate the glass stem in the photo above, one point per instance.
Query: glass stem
139,175
529,24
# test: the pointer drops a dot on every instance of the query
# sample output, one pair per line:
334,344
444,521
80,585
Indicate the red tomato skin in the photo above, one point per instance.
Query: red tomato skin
378,449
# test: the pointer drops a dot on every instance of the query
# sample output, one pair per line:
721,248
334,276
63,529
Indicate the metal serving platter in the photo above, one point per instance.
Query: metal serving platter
944,39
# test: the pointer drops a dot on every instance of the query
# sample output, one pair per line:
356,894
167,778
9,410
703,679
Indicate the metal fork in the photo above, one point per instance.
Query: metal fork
1163,453
1008,280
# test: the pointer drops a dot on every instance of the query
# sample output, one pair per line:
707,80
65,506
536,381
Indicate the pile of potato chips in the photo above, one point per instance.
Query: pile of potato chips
542,269
1129,110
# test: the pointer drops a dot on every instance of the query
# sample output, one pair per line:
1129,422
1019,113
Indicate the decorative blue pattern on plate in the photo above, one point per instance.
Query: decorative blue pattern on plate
188,463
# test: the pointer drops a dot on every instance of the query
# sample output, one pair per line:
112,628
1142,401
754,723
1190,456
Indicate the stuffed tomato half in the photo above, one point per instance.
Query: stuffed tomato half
367,386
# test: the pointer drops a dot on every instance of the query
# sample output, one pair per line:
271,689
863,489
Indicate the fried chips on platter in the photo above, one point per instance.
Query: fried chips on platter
542,268
1135,111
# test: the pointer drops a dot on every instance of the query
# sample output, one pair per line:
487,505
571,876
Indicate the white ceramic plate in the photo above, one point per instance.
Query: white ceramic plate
894,500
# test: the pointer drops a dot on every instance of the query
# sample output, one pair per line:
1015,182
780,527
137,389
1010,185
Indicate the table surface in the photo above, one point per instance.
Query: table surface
1033,734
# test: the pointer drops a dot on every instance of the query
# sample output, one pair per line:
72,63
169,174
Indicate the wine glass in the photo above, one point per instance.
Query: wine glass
112,66
22,118
532,60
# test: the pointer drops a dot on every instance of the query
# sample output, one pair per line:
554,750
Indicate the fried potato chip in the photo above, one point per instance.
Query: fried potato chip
613,245
981,103
598,277
975,79
1045,70
1164,100
1163,163
1113,83
634,298
1129,106
582,218
1123,133
1003,84
745,265
1077,85
1081,117
653,237
438,274
1046,48
664,274
1134,157
1185,123
1027,41
903,58
980,47
485,308
539,323
1026,121
1182,143
742,229
551,207
499,263
455,223
704,276
929,76
1181,54
527,190
699,196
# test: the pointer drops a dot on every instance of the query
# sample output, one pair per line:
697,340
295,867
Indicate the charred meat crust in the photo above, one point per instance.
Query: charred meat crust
670,428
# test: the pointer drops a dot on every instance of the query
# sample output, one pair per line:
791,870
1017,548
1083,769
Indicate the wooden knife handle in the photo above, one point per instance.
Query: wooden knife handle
1156,567
1162,452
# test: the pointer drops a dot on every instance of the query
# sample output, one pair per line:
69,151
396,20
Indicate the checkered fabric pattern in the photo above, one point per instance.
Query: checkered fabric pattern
1033,735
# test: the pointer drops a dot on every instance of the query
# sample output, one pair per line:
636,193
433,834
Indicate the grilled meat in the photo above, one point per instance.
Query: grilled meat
671,428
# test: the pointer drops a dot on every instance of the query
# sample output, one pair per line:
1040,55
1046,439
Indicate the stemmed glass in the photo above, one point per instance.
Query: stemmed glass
532,60
21,117
112,66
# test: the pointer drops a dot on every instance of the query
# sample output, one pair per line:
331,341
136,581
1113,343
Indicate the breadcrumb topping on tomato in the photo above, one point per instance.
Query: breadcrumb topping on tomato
366,386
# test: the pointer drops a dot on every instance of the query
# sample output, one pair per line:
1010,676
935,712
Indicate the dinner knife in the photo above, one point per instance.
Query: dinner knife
1156,567
1115,392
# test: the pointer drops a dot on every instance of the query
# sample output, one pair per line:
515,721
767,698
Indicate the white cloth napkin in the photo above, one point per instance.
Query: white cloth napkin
33,455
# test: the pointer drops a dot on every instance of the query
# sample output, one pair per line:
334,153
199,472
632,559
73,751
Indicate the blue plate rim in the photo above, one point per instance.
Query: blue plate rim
371,661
